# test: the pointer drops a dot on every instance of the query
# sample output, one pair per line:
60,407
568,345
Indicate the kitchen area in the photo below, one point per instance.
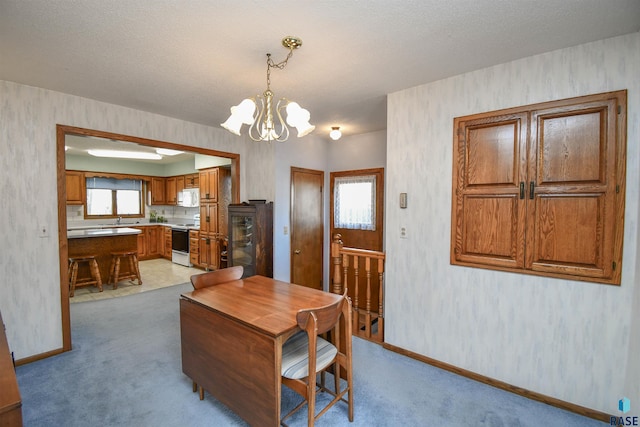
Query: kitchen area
174,205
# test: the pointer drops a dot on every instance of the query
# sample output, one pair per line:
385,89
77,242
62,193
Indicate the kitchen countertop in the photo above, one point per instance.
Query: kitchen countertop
142,224
102,232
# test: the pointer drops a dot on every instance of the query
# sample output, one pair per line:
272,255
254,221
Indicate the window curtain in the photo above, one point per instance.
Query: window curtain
114,184
355,202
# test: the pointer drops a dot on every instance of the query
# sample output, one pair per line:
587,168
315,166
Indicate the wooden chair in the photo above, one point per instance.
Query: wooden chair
306,354
216,277
212,278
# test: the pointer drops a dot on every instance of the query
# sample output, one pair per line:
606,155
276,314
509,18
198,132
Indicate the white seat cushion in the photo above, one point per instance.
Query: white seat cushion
295,355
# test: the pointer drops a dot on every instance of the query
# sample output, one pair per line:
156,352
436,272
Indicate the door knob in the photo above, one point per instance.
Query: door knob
297,252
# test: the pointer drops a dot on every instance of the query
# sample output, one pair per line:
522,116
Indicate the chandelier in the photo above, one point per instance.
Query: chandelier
265,121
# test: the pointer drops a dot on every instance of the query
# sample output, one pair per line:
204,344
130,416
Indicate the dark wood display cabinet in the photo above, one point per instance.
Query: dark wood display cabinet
251,237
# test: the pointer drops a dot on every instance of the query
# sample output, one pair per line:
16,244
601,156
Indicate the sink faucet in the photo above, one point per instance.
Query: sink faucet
118,220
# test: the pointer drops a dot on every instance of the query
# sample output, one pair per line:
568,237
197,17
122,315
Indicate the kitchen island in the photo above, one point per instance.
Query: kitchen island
101,242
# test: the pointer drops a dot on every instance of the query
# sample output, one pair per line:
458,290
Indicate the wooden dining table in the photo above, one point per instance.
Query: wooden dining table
232,336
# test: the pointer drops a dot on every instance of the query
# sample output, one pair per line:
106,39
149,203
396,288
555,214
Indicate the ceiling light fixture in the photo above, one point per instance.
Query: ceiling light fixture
125,154
335,133
265,120
168,152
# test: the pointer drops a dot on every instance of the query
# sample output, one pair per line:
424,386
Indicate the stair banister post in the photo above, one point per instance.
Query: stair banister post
336,247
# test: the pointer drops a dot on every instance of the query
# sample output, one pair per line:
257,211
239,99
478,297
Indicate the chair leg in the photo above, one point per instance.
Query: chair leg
201,393
135,268
95,272
72,280
116,271
311,399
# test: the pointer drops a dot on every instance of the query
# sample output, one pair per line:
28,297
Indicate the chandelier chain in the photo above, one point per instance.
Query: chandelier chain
279,65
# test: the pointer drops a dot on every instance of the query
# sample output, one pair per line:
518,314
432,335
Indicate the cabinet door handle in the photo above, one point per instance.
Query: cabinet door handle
532,186
522,189
297,252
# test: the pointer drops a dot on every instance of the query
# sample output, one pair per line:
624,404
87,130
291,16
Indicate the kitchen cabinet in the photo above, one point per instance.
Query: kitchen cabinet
194,248
213,214
209,251
209,185
158,194
179,185
251,238
171,195
75,186
209,218
167,242
150,241
540,189
192,181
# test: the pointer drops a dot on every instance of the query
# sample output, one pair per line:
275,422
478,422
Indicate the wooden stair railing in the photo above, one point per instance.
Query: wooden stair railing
363,315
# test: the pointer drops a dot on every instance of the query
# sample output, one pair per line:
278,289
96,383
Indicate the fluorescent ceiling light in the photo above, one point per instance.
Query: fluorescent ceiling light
168,152
125,154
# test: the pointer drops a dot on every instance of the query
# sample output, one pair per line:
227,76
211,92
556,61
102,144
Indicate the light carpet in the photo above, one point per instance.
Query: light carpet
125,370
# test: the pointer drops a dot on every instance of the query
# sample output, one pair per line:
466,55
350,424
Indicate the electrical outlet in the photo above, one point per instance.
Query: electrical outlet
43,231
285,230
403,233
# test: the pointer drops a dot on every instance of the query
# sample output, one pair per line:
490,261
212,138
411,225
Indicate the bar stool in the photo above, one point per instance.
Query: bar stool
114,270
94,279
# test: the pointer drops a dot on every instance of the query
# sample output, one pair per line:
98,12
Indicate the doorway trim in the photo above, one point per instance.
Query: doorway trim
61,132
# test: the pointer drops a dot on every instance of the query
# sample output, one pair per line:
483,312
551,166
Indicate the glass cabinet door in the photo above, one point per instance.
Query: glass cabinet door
242,241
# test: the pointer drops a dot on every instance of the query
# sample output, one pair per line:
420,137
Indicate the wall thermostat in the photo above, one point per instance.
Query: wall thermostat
403,200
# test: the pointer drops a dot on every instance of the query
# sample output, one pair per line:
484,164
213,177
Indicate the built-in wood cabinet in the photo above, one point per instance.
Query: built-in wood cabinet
75,186
251,238
171,194
165,190
150,241
192,180
167,242
540,189
194,247
215,187
209,185
158,192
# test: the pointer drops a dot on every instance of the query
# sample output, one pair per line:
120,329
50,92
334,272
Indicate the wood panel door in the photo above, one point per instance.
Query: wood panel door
307,227
573,188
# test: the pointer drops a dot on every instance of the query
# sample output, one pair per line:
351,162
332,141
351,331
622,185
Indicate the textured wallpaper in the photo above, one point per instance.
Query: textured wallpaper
566,339
30,289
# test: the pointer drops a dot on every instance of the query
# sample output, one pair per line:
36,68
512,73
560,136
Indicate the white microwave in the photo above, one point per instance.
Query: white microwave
189,198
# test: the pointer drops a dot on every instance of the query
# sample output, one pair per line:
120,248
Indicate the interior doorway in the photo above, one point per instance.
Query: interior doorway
307,227
357,214
61,132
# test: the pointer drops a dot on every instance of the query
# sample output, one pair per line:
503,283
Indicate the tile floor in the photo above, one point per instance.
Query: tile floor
156,273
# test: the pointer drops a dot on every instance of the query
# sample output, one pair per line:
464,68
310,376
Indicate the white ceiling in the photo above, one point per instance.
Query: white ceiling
194,59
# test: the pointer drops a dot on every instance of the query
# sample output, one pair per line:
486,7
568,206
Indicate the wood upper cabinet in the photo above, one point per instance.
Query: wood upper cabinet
75,185
158,190
209,185
171,196
192,181
540,189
